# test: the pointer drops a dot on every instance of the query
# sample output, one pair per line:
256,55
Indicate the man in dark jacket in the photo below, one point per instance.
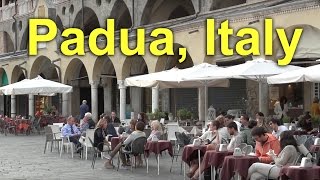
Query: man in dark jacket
84,108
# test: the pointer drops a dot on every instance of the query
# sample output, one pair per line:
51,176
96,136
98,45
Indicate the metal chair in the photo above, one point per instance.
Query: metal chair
180,143
136,148
247,150
96,152
242,145
50,137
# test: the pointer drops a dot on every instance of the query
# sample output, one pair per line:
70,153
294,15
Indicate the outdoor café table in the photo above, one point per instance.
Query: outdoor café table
157,147
188,151
298,173
214,159
114,142
238,165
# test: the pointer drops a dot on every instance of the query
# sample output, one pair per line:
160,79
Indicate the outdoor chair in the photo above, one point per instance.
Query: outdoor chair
242,145
171,129
57,133
180,143
247,150
136,149
86,143
66,142
50,137
96,152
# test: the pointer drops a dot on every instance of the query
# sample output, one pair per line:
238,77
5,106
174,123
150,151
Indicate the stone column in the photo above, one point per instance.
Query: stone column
201,103
107,95
264,98
122,89
136,99
155,98
94,100
31,105
13,106
165,99
65,104
74,105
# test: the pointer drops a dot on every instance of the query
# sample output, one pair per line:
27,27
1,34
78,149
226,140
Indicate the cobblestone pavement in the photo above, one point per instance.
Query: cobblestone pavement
22,157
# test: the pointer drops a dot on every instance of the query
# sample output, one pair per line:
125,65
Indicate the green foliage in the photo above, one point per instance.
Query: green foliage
286,119
47,109
157,115
315,120
184,114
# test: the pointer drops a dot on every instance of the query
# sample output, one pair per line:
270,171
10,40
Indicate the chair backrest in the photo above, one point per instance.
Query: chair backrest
55,128
242,145
171,129
58,124
162,121
89,134
48,133
247,150
137,146
147,132
91,143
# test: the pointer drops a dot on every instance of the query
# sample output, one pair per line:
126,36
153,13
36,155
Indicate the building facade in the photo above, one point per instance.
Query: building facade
100,80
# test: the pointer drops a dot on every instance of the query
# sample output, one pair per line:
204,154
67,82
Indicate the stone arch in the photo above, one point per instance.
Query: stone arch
4,78
17,74
162,10
103,66
134,65
308,47
75,69
168,62
9,44
121,14
220,4
43,65
91,20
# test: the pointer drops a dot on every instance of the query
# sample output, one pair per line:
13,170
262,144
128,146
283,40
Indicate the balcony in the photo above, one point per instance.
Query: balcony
23,7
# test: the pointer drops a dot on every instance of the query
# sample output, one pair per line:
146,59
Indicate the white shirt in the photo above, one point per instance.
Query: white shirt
280,130
235,142
209,135
278,111
224,134
238,124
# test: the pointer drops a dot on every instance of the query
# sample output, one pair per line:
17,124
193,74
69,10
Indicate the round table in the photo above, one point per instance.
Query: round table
238,165
298,173
214,159
188,152
157,147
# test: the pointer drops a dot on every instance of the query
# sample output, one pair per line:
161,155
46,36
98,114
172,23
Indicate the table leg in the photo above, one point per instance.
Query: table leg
147,165
213,173
199,158
158,164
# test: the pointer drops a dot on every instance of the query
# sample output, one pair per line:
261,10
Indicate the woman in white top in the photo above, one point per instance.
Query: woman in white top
211,138
281,108
156,130
287,156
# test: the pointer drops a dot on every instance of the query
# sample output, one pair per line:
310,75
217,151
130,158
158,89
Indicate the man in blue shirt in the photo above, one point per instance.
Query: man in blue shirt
84,108
70,130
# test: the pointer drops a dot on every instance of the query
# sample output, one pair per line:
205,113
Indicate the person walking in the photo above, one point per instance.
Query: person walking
84,108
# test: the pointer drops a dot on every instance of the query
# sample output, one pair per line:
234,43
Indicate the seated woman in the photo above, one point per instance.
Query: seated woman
100,137
126,143
306,124
142,117
110,130
156,130
287,156
211,137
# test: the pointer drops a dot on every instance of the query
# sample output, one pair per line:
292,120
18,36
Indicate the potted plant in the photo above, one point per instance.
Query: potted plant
47,109
286,121
184,114
156,115
315,121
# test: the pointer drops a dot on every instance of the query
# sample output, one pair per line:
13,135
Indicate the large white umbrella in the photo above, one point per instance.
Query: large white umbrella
174,78
309,74
36,86
257,70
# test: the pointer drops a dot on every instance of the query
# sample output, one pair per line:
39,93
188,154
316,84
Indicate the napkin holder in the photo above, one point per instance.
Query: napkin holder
237,152
317,141
223,147
154,139
306,162
196,142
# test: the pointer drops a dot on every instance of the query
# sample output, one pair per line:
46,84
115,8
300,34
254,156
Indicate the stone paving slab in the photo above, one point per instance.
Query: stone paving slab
22,158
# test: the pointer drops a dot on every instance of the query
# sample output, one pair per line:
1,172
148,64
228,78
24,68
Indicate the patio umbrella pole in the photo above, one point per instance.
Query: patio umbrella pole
205,103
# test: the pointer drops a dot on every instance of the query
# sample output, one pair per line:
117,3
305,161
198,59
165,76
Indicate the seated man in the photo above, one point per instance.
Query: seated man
245,131
264,143
70,130
87,123
277,129
235,136
134,135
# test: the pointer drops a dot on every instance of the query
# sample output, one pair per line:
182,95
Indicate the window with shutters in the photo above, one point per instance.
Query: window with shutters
316,90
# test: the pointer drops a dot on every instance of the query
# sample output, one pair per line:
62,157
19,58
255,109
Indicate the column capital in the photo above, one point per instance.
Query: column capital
155,88
121,84
94,84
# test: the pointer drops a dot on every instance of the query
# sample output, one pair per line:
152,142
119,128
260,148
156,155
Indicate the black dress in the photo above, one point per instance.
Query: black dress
99,137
